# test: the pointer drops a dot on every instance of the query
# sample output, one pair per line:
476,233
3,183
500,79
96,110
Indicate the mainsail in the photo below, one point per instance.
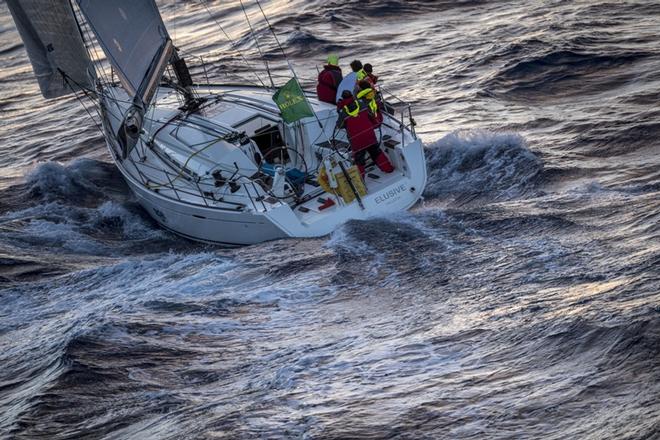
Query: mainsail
134,38
54,44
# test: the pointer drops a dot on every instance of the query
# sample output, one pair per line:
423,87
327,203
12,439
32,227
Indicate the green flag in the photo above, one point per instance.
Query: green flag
292,103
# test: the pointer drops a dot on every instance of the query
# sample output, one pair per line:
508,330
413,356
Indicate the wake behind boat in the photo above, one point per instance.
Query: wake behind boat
217,163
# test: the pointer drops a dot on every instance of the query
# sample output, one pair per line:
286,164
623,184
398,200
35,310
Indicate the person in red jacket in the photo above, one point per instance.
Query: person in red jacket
357,118
369,70
328,80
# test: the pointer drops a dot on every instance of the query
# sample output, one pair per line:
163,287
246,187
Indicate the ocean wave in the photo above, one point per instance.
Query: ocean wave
58,227
478,163
620,137
10,48
300,42
393,8
558,73
81,181
302,38
567,62
82,207
518,300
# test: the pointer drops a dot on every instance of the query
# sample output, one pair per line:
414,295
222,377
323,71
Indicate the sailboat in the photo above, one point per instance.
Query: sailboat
218,163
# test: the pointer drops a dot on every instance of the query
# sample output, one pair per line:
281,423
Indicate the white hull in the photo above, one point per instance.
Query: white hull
257,222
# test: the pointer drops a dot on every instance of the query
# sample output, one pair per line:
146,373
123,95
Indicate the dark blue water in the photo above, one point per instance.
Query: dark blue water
520,300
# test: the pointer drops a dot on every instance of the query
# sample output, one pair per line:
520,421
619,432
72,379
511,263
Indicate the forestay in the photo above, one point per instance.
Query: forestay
134,39
54,44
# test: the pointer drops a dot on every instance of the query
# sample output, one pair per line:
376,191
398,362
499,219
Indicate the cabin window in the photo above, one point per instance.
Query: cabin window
268,138
264,132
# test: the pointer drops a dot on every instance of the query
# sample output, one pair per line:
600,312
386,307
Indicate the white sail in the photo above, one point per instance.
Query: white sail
135,40
54,44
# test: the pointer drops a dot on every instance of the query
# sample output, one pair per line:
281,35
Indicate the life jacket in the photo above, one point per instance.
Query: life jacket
328,81
361,74
355,115
370,96
370,80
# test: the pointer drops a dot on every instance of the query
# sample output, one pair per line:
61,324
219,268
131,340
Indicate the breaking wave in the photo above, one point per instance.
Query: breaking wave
83,207
467,164
80,182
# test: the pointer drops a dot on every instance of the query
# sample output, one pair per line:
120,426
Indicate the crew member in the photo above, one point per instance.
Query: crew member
361,74
356,117
369,70
373,79
369,95
350,81
329,80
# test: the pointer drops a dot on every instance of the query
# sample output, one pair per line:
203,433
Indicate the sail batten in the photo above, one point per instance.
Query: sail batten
134,38
54,45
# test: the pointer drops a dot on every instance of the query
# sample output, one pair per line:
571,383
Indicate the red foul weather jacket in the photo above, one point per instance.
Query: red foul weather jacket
328,81
354,115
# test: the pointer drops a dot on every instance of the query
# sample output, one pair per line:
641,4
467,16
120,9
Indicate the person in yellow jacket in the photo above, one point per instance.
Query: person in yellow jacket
369,95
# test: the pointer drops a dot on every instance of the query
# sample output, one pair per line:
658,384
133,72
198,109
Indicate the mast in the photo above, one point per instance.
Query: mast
184,80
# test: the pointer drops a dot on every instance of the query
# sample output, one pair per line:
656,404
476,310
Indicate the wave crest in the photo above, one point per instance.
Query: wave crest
467,164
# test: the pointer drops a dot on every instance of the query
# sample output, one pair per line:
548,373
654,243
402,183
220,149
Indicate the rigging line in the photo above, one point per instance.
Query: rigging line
86,43
256,41
150,115
87,92
231,42
277,40
92,96
79,99
89,42
174,20
272,31
219,53
96,58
